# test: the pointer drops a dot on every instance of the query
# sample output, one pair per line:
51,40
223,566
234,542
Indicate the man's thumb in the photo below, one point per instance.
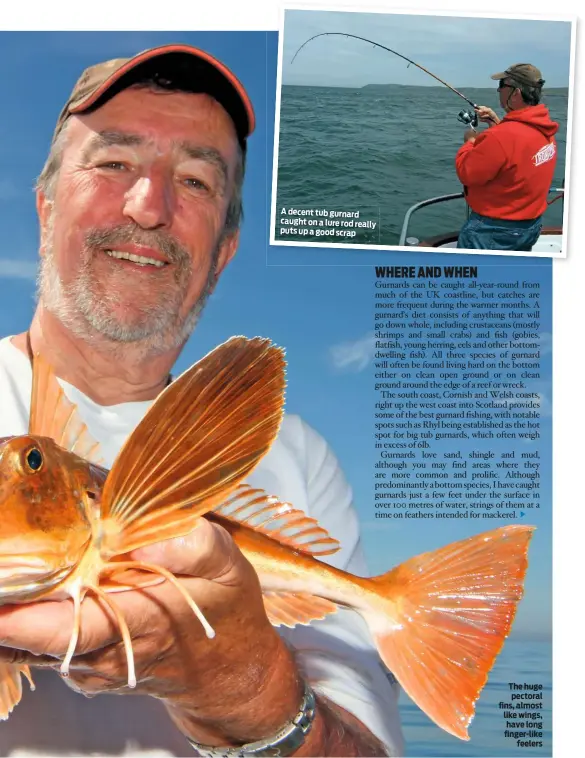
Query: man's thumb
207,552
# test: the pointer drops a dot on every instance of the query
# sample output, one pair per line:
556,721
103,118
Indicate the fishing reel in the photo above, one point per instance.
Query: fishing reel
469,118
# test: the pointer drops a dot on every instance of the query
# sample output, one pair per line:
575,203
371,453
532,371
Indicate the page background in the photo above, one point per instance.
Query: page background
567,274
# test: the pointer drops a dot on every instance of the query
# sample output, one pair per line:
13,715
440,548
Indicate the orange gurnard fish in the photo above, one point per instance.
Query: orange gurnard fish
438,620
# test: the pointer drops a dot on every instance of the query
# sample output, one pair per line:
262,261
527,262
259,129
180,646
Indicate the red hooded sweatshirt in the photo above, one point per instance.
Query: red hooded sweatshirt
508,170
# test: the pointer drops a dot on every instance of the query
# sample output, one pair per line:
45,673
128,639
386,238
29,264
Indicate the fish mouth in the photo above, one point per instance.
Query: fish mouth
23,577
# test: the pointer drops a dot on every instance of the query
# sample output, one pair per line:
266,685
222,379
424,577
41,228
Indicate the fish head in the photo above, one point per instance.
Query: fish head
45,515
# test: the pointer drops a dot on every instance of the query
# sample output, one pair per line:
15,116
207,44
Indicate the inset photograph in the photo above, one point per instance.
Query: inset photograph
434,132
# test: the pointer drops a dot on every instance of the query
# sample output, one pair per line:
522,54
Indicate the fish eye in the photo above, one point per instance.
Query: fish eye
34,459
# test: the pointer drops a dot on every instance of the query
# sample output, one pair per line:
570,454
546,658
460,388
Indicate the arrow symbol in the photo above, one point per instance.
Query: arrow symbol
522,514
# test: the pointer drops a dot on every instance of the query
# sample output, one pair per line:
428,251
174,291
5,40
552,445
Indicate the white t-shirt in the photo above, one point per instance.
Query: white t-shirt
336,654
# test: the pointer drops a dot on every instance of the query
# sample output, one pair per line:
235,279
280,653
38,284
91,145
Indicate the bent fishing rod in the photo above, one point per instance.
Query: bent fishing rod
464,116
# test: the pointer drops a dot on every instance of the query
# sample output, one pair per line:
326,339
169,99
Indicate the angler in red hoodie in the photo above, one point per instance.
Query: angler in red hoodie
508,169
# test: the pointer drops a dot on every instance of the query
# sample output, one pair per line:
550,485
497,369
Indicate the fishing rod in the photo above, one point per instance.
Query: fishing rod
464,116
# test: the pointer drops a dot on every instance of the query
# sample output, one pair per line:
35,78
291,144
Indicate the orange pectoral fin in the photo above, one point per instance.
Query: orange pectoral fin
127,579
200,438
441,619
11,687
53,415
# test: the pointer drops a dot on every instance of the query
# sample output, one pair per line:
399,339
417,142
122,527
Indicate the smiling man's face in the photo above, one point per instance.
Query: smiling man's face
134,237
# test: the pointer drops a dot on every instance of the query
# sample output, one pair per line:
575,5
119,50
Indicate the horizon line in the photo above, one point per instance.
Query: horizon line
396,84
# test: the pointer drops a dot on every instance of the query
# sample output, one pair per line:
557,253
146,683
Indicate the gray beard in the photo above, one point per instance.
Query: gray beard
88,313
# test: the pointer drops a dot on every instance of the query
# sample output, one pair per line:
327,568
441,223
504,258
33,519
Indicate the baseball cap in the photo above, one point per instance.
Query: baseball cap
524,73
181,66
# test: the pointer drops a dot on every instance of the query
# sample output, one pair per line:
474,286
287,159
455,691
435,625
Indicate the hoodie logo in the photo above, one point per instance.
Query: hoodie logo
546,153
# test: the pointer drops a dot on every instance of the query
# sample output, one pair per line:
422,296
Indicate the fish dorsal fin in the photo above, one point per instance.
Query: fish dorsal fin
53,415
290,609
200,438
266,514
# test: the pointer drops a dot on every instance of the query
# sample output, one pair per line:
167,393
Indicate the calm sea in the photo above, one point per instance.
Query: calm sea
521,661
381,149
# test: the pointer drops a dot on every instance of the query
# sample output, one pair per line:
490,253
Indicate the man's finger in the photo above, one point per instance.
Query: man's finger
44,628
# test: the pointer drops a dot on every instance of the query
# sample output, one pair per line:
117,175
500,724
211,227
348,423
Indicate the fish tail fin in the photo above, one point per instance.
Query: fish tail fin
11,687
440,619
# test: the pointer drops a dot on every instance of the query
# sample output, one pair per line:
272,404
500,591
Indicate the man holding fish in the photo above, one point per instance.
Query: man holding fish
139,206
182,557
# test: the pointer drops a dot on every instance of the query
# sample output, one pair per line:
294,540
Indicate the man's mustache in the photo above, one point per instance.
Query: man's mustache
172,250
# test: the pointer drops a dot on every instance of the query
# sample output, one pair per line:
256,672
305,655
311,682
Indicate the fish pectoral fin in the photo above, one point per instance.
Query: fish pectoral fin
53,415
122,580
267,515
201,437
440,619
11,687
290,609
168,525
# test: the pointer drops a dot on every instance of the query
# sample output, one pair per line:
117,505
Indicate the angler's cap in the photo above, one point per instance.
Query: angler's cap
182,66
524,73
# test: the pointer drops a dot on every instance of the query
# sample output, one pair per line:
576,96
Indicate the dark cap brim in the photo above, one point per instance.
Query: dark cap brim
87,102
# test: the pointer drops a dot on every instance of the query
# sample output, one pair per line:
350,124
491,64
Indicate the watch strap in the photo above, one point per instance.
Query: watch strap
285,742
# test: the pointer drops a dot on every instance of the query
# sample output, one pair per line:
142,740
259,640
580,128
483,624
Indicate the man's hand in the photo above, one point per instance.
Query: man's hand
469,135
238,687
487,115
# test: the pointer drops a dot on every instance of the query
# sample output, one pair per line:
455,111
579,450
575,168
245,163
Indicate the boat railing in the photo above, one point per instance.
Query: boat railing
406,240
417,207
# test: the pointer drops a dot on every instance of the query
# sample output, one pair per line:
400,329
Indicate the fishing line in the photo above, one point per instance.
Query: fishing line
463,116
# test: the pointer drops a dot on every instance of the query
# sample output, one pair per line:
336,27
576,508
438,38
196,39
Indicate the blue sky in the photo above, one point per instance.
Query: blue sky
462,51
317,312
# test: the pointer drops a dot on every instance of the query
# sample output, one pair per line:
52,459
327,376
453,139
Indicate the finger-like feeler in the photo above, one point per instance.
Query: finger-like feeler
170,577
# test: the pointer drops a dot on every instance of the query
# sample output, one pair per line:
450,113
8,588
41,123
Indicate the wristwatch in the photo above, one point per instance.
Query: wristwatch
284,743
